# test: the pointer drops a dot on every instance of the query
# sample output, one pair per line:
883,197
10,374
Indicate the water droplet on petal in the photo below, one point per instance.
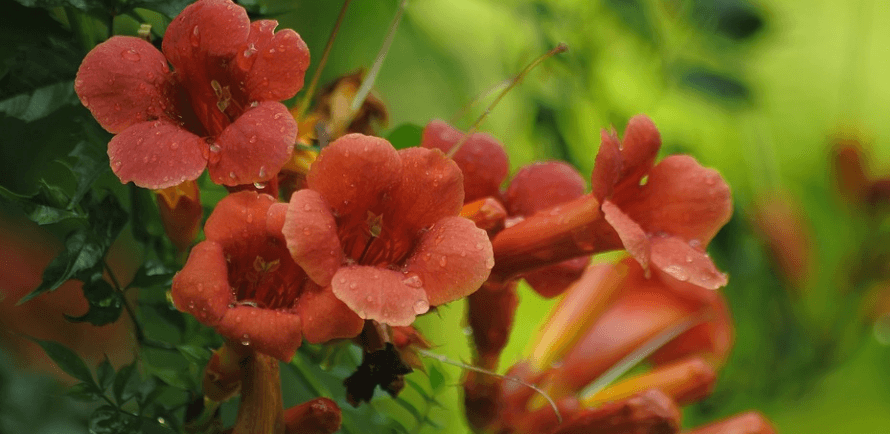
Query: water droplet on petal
259,185
342,280
194,38
307,207
252,139
308,231
262,173
250,218
214,148
694,243
245,338
677,272
443,261
353,285
421,307
413,281
131,55
174,146
232,175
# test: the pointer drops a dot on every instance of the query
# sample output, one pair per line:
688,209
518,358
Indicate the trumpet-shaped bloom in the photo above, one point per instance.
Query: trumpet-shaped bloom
381,228
242,281
217,108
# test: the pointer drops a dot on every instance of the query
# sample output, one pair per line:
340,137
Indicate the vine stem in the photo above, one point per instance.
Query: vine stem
137,328
304,102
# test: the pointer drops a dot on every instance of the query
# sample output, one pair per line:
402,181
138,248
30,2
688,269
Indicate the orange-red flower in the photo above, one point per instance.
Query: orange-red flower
217,108
243,282
381,229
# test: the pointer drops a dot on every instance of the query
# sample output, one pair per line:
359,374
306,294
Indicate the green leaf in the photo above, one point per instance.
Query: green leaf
105,303
721,86
126,383
105,373
84,392
410,408
734,19
635,15
437,379
195,354
109,420
90,163
405,136
170,8
152,274
81,255
40,102
46,206
107,219
67,360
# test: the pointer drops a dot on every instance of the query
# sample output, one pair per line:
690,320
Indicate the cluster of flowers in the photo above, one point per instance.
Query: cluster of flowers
371,235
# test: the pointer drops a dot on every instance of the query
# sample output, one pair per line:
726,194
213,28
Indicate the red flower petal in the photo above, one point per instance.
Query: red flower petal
201,288
216,28
255,147
681,198
634,239
238,219
638,150
124,81
325,317
275,62
553,280
354,173
451,260
431,188
677,259
386,296
607,167
711,340
270,332
542,185
481,159
157,154
311,234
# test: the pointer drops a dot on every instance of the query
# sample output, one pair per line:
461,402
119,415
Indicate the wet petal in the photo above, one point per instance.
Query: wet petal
124,81
255,147
386,296
276,62
638,149
677,259
325,317
354,173
431,188
238,219
451,260
607,167
311,234
156,155
681,198
201,288
553,280
271,332
542,185
634,239
207,28
482,159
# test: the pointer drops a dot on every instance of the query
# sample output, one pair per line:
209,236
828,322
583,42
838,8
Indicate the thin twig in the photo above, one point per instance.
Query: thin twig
304,103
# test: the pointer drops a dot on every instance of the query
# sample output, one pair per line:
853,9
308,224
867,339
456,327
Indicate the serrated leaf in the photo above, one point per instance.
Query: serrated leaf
40,102
405,136
105,303
81,255
67,360
126,382
105,373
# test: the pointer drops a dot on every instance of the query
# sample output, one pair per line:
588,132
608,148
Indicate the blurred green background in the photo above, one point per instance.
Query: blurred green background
756,89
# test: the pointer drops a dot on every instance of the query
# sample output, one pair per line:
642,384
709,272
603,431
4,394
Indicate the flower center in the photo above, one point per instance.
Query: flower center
264,275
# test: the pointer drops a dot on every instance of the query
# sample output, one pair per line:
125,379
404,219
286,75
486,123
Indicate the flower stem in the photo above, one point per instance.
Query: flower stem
304,102
516,80
368,82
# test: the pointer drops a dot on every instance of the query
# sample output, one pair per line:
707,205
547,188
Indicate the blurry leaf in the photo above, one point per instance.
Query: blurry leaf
405,136
67,361
41,102
125,383
195,354
80,254
149,391
109,420
734,19
90,163
105,303
635,15
83,392
437,379
150,275
717,85
105,373
410,408
170,8
44,207
49,4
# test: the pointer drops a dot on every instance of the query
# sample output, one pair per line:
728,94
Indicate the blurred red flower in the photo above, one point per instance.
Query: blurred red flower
217,108
381,228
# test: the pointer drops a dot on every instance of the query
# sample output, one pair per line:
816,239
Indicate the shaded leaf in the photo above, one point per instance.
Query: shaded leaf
81,255
152,274
46,206
195,354
109,420
40,102
635,15
170,8
105,303
718,85
126,382
84,392
68,361
437,379
90,163
734,19
105,373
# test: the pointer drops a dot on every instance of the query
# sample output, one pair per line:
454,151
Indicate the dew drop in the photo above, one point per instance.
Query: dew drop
232,175
145,159
245,338
262,173
480,246
250,218
413,281
259,185
353,285
214,148
421,306
191,305
370,299
174,146
308,231
489,262
131,55
252,139
677,272
342,280
194,38
200,287
694,243
117,107
443,261
277,116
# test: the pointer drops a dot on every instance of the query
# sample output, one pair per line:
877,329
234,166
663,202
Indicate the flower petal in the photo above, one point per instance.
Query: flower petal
255,147
275,62
681,198
311,234
325,317
156,155
201,288
482,159
634,239
272,332
354,173
677,259
607,167
553,280
207,28
124,81
712,340
431,188
542,185
638,149
238,219
386,296
451,260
